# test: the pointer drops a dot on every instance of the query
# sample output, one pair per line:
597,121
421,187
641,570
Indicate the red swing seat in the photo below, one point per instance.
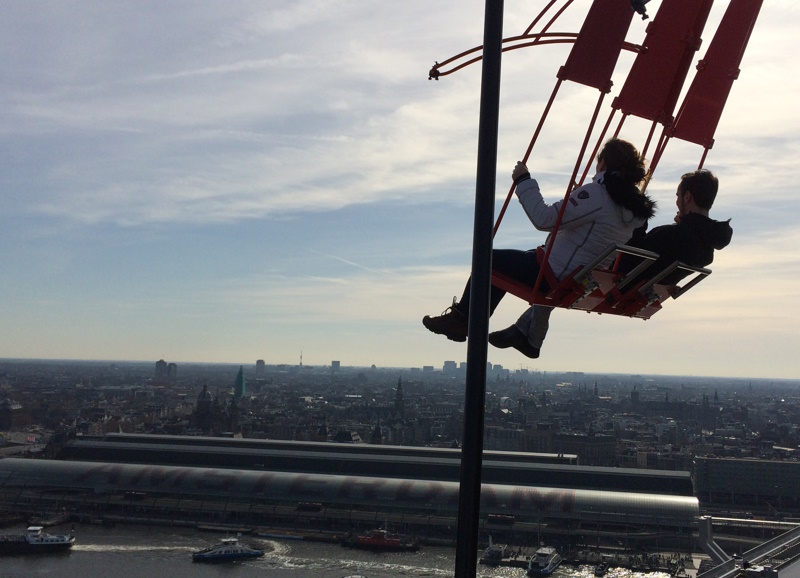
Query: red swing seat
594,289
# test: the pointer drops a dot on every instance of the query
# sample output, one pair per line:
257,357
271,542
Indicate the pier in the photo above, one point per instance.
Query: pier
666,562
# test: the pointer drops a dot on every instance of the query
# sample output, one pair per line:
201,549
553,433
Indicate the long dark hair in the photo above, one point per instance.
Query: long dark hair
625,169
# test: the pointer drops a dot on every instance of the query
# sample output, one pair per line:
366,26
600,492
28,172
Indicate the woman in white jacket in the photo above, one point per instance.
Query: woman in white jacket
602,212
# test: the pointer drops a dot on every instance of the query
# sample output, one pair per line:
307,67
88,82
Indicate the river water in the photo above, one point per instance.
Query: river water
128,551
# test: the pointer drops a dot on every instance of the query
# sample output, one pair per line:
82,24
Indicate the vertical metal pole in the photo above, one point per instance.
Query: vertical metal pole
469,496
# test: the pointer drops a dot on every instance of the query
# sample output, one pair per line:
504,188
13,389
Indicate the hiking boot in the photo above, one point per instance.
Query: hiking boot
513,337
452,323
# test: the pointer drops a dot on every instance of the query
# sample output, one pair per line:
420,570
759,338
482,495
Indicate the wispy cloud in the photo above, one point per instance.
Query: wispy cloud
235,163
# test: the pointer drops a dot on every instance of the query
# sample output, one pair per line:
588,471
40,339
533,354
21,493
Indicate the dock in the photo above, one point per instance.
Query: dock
682,566
508,556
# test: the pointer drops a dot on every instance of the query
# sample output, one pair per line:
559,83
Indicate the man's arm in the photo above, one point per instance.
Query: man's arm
637,238
666,240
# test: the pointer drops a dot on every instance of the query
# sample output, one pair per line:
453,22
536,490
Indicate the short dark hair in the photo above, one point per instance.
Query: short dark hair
703,185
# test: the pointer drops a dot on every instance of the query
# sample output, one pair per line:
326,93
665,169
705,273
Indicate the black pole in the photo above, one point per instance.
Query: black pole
469,496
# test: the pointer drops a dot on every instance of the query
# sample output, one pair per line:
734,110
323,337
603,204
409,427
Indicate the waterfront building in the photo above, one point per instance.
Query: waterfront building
772,485
165,493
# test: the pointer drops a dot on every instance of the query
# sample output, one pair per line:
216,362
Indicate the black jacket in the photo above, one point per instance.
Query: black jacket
692,241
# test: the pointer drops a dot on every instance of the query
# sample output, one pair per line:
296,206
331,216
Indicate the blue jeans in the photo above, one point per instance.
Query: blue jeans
520,265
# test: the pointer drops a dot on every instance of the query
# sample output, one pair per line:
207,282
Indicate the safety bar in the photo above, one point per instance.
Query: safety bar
648,257
700,274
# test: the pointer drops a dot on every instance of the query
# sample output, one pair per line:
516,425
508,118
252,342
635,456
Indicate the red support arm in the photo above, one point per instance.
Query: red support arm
654,83
701,110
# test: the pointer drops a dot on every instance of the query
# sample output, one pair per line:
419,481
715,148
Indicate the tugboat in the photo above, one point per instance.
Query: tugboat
381,541
544,561
35,540
228,550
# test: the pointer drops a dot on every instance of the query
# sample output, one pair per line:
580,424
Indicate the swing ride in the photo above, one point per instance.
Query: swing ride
650,91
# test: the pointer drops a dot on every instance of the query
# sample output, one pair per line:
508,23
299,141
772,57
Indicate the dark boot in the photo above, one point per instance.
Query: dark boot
513,337
452,323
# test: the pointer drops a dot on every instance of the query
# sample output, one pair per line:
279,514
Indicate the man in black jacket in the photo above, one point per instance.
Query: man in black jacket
693,237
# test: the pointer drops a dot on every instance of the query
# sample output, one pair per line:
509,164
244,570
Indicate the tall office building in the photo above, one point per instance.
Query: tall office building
165,374
172,373
239,384
161,370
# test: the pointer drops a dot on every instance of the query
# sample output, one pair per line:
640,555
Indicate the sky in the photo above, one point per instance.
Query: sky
230,181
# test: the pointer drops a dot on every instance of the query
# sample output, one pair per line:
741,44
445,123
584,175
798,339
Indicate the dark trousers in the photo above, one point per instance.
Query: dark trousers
520,265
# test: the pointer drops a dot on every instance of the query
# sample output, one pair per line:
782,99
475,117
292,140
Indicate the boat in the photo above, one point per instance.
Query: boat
35,540
228,550
493,554
601,569
44,520
544,561
225,528
765,571
279,534
382,541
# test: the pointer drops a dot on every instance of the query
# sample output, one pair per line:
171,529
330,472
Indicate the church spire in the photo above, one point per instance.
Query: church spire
399,402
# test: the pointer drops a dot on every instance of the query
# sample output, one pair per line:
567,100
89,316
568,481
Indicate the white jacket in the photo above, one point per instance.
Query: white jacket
591,222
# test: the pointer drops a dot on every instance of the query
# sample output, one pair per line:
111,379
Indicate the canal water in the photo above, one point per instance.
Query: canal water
128,551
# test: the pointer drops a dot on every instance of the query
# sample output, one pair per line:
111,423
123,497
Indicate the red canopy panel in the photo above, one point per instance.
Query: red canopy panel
701,110
654,83
596,50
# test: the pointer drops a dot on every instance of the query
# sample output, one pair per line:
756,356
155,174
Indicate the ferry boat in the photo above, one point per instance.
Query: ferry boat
544,561
35,540
382,541
228,550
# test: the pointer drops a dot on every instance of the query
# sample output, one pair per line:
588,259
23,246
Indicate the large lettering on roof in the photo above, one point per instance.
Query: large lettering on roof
155,476
542,500
106,473
364,488
217,479
309,486
489,497
262,483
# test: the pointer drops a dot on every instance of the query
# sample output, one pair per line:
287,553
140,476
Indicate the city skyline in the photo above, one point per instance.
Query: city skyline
239,181
227,372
